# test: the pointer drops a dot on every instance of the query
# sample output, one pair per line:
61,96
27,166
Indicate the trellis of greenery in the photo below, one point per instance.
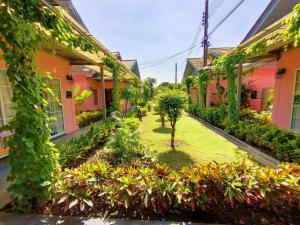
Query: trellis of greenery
188,82
24,25
230,62
116,70
202,79
293,26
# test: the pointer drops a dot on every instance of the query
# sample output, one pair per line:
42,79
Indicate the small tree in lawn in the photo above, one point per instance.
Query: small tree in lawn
158,107
173,103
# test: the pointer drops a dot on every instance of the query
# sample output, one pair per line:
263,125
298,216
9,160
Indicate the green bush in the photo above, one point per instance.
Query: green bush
141,111
73,152
255,129
86,118
130,122
126,142
232,189
253,116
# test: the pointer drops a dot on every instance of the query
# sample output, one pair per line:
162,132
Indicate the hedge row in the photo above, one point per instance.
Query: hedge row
233,191
86,118
256,130
78,149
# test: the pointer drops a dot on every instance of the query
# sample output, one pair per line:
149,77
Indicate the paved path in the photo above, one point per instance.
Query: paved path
4,169
76,134
14,219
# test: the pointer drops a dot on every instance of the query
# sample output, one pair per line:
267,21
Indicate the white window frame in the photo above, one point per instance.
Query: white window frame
62,108
3,115
292,103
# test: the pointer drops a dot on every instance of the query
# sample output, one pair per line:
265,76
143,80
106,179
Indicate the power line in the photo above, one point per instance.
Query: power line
161,61
213,3
212,11
239,3
195,39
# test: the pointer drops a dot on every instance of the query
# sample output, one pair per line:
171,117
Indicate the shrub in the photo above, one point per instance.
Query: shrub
126,143
255,129
253,116
78,149
130,122
158,109
141,111
219,189
86,118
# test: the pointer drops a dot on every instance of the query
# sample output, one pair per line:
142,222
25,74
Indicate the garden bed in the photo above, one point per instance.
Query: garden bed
125,180
256,130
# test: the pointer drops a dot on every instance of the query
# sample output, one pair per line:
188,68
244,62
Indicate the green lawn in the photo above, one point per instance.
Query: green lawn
197,143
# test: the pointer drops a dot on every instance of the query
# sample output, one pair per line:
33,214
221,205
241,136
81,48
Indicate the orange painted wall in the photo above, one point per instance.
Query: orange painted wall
284,88
86,82
213,91
59,68
263,77
89,84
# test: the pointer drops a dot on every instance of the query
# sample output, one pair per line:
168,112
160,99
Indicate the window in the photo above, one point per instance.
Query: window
295,123
95,93
55,107
253,94
6,105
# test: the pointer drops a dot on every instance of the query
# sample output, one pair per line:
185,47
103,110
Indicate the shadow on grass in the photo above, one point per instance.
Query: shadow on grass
162,130
175,159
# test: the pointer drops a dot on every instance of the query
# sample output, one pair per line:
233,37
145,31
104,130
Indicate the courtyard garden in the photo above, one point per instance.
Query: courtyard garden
152,161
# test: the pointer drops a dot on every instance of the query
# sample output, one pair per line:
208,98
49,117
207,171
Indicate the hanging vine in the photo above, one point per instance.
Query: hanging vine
230,61
202,79
24,25
218,70
293,26
188,82
116,70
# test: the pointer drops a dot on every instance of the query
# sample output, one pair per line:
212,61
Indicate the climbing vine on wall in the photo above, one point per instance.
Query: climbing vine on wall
230,62
188,83
202,79
116,70
24,25
218,70
258,49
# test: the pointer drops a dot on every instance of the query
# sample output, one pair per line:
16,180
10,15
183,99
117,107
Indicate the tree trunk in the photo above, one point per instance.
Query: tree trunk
126,106
173,138
162,118
173,134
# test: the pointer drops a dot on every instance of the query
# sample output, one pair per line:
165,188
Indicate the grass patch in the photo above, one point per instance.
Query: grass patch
200,143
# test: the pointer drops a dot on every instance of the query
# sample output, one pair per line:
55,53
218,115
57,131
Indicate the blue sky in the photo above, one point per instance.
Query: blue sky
151,30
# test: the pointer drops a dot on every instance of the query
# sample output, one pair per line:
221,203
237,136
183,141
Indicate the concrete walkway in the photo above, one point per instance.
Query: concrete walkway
76,134
4,169
29,219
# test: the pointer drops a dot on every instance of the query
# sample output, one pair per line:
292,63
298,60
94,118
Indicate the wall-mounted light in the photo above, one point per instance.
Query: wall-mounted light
280,73
70,79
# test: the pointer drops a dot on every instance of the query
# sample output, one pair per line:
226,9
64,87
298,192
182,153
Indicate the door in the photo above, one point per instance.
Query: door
108,98
295,122
55,107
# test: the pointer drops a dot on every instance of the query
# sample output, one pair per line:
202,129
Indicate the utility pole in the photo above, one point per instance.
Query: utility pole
175,73
205,39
